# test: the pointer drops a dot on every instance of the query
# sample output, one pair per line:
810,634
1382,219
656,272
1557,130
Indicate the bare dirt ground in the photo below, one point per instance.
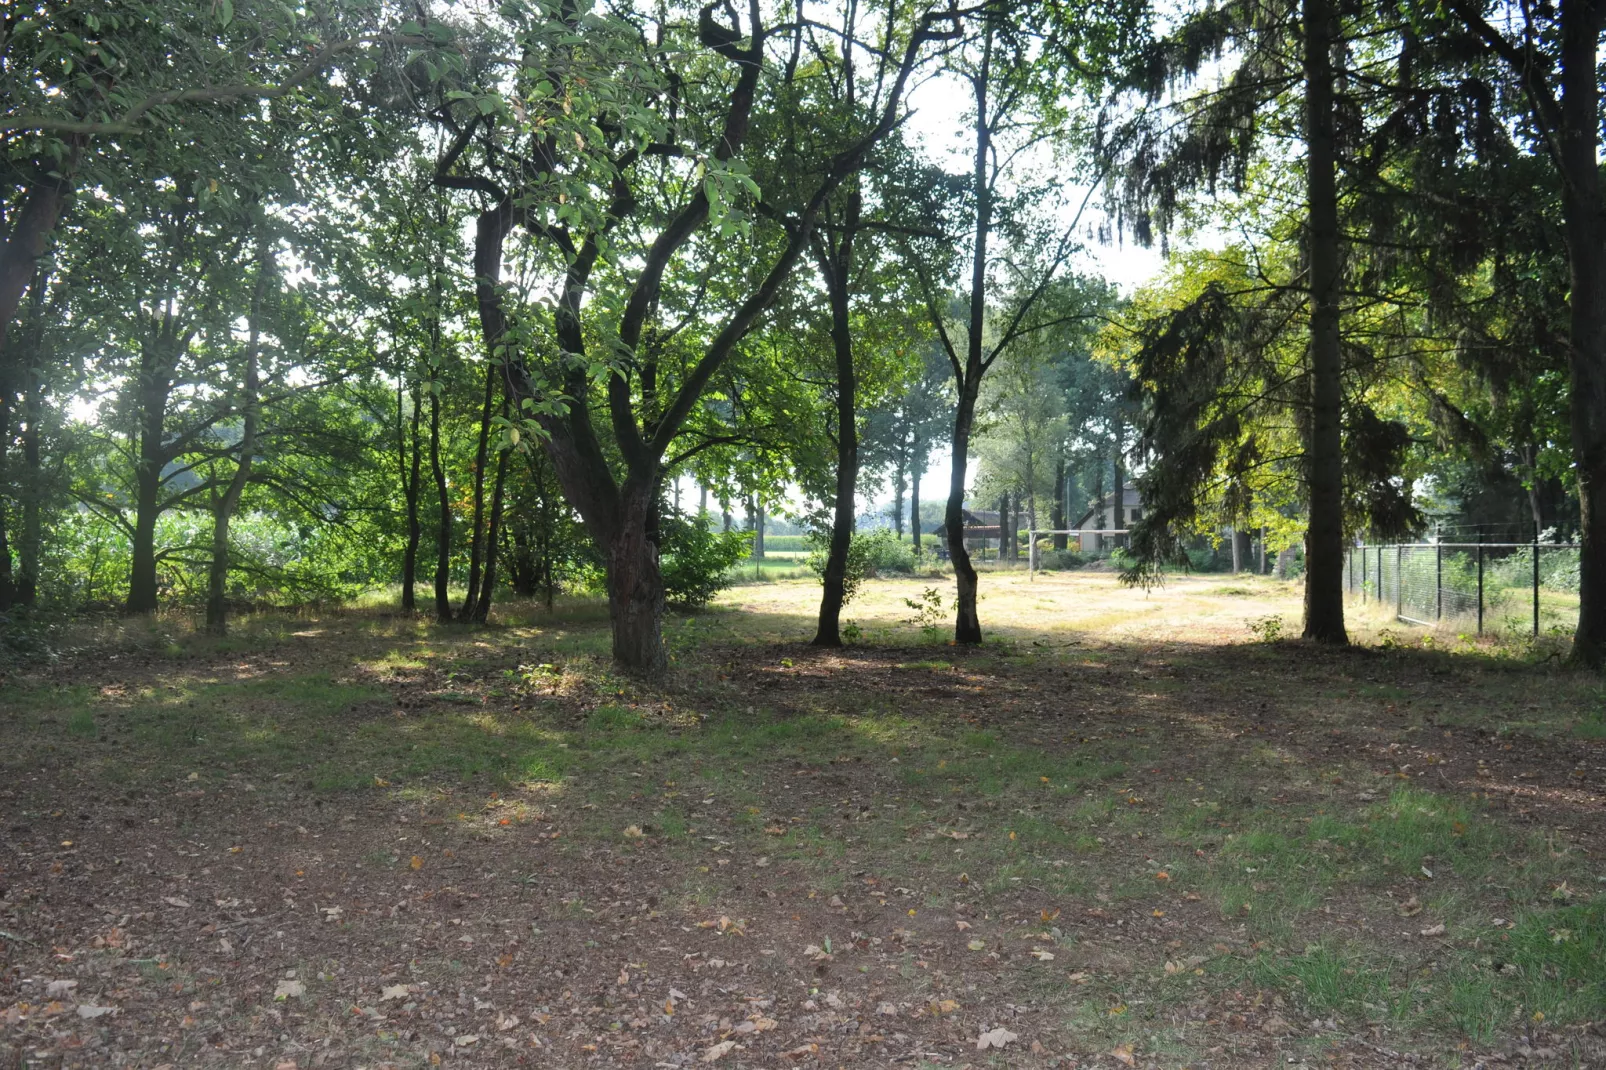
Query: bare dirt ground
1124,832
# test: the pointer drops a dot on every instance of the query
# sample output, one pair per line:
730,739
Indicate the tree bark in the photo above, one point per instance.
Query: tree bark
1584,216
635,587
1324,539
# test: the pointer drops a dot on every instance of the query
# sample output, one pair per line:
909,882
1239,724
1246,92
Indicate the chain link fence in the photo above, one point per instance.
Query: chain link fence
1493,586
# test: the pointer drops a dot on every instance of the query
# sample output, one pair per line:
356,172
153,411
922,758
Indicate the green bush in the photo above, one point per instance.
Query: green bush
873,554
695,559
1059,559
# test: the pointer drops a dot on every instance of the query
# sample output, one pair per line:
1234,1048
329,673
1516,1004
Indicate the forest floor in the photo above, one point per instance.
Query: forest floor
1127,831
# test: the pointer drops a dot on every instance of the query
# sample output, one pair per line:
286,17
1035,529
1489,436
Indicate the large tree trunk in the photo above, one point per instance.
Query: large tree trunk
635,586
443,525
1057,517
1585,219
1324,539
411,485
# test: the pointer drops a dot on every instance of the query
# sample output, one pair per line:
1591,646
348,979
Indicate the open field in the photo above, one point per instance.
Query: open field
1127,831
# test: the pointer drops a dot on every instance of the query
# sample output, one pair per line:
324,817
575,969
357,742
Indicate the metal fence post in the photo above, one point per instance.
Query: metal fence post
1438,580
1481,537
1399,579
1536,580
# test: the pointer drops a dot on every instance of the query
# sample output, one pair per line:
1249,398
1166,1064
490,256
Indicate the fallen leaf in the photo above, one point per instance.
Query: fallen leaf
633,832
390,992
1434,930
802,1050
175,901
60,988
719,1051
1049,915
1043,956
961,925
945,1006
976,945
87,1011
995,1038
468,1041
1123,1054
289,989
417,862
1410,908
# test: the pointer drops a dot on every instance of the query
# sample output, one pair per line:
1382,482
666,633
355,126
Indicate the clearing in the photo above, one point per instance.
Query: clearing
1127,831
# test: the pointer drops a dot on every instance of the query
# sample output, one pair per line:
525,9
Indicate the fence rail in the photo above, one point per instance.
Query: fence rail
1509,585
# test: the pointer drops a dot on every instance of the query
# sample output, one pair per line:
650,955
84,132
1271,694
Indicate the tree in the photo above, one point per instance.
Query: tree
1553,59
588,76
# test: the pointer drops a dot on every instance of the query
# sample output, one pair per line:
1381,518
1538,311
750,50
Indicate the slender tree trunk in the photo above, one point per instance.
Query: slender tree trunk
7,584
1057,517
1117,493
1584,214
477,530
153,390
1324,539
967,621
443,527
915,466
967,625
33,491
835,266
482,609
1006,533
411,485
217,580
702,503
900,483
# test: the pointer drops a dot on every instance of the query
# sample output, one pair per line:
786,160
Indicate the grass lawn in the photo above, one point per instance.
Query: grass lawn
1130,829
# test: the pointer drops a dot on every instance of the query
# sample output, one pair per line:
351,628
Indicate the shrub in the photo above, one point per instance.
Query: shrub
1059,559
696,560
870,555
